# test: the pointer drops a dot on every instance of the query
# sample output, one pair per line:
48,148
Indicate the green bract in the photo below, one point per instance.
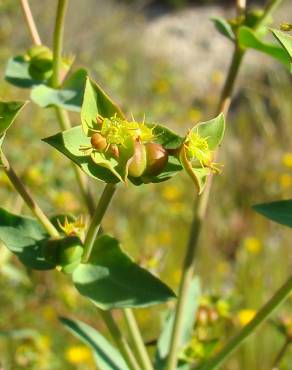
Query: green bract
197,152
278,211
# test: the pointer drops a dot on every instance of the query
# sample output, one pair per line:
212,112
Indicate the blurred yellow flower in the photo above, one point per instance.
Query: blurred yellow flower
44,343
287,160
171,192
78,354
164,237
245,316
252,245
48,313
285,180
65,199
34,176
176,276
161,86
195,114
217,77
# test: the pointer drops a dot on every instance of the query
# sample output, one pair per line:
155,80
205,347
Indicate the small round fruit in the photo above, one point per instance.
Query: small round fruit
157,158
70,251
36,50
39,75
68,269
138,161
98,142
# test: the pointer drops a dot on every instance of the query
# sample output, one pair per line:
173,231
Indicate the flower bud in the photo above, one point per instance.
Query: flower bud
137,163
98,142
157,158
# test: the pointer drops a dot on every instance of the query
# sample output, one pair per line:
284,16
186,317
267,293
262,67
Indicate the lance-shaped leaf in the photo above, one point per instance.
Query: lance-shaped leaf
224,27
105,355
209,134
285,40
112,280
25,237
96,102
279,211
17,73
189,317
247,38
69,96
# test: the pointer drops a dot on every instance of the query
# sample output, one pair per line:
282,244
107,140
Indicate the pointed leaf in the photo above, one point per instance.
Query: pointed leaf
25,237
106,356
68,97
96,102
223,27
112,280
249,39
17,73
212,130
279,211
166,137
187,326
285,40
8,113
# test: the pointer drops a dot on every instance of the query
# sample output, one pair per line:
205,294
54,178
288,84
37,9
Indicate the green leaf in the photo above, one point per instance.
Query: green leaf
247,38
68,97
68,143
189,316
8,113
279,211
212,130
25,237
106,356
96,102
223,27
17,73
285,40
112,280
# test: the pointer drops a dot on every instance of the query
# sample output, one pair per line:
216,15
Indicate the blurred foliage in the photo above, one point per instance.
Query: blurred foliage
242,257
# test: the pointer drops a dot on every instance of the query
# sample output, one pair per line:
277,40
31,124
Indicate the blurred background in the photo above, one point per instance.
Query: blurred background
163,59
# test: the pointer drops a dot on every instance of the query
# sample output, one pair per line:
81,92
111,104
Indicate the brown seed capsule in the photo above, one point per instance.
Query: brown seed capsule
99,120
98,142
115,151
137,164
157,158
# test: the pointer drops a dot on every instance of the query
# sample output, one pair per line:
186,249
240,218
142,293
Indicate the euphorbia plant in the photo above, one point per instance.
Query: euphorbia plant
115,149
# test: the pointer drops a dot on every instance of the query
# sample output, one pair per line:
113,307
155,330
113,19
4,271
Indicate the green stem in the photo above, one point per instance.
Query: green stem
58,42
30,22
200,212
120,340
101,208
281,354
137,340
260,317
30,202
199,216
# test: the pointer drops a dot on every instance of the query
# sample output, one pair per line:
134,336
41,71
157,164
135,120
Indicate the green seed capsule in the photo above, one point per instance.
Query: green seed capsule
65,253
98,142
138,162
36,50
157,158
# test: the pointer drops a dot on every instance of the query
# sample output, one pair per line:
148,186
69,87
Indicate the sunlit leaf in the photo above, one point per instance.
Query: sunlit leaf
112,280
69,96
285,40
96,102
249,39
212,130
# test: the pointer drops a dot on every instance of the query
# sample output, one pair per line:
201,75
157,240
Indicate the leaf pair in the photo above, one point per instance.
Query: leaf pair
110,278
